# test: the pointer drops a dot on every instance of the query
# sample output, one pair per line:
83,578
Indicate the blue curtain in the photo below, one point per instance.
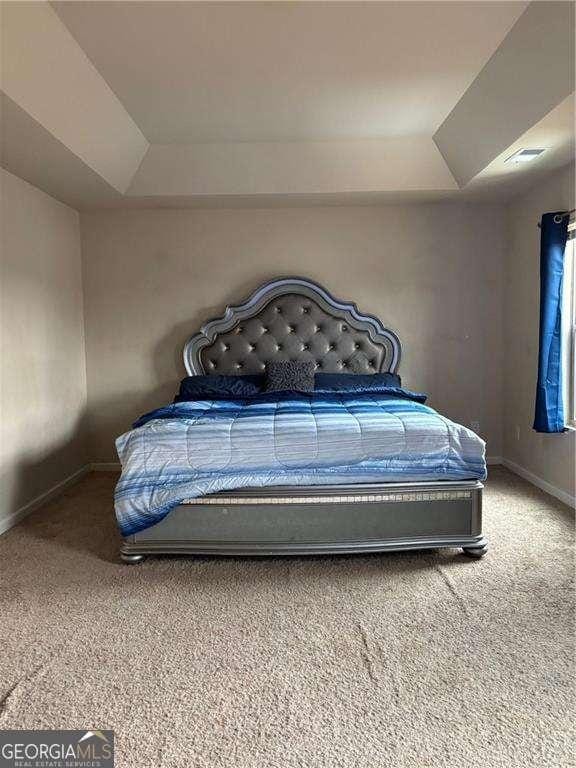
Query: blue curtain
549,416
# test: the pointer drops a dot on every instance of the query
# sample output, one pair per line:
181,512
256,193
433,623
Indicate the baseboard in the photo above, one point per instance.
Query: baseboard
44,498
558,493
114,466
105,466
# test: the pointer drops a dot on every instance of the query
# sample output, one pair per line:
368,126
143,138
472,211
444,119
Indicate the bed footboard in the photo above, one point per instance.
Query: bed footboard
318,520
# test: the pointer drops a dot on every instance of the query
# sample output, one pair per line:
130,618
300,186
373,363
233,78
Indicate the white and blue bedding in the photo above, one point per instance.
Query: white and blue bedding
194,448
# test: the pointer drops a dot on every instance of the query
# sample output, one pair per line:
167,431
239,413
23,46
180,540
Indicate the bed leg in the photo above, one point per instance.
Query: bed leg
476,552
131,559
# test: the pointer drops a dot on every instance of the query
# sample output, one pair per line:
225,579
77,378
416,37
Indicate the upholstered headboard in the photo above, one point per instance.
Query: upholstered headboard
292,318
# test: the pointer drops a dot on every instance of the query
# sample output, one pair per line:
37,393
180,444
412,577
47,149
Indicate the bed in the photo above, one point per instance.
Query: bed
180,492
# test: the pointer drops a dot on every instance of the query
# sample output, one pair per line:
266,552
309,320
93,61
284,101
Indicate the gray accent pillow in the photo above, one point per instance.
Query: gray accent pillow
289,376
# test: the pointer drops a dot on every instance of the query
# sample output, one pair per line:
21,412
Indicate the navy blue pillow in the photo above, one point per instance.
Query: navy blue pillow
325,383
219,387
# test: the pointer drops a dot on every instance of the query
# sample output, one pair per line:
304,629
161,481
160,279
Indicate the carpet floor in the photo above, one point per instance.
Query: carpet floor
403,660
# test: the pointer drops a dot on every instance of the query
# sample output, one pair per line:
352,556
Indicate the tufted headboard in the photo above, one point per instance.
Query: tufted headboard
292,318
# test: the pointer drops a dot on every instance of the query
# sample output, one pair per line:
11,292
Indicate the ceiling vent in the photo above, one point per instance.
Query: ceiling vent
524,155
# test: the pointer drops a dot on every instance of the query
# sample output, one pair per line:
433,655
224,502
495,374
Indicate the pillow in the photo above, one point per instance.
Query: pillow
290,376
219,387
325,383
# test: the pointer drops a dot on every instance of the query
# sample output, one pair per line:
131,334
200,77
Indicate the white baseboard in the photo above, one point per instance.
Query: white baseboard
114,466
51,493
558,493
105,466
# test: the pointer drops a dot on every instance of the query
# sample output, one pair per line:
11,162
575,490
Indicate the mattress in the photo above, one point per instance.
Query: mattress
192,449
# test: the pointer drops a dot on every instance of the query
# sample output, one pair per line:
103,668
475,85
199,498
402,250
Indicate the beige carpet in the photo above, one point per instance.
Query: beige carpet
401,660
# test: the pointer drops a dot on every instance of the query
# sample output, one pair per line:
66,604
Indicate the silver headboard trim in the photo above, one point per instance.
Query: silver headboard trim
343,310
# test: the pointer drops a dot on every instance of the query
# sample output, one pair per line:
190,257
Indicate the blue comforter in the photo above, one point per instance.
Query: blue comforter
190,449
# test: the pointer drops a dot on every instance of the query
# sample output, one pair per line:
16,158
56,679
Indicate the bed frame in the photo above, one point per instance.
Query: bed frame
294,318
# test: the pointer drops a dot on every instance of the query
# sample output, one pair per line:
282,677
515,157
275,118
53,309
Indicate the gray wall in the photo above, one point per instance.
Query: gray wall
458,282
549,457
43,392
432,272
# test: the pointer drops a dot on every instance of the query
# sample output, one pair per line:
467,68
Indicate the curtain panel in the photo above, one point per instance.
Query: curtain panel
549,414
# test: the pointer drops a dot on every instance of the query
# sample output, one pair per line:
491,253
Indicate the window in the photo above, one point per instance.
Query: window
569,327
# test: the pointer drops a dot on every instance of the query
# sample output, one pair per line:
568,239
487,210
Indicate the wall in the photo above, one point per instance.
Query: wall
43,377
439,274
432,272
549,457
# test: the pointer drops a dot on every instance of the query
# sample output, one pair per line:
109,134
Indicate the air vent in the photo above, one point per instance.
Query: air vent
524,155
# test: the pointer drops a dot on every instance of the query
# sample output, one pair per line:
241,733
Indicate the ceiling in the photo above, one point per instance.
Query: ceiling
270,103
555,132
282,71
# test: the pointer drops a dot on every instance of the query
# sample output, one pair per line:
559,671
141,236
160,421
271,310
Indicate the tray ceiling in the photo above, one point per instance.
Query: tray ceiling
288,71
271,103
